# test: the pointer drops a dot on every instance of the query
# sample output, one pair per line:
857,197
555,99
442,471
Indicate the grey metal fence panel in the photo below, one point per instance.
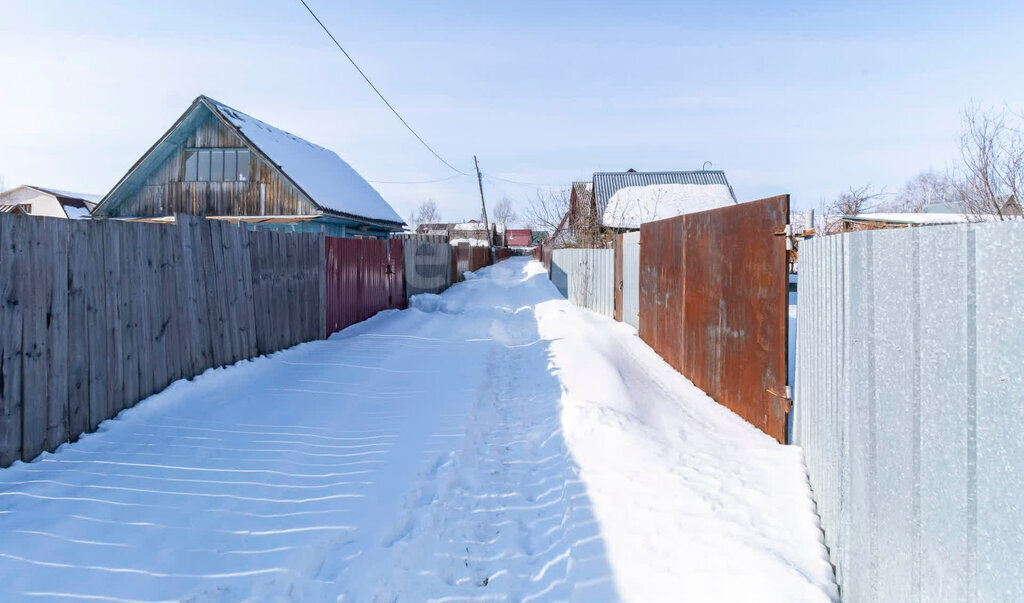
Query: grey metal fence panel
910,405
586,277
631,278
427,266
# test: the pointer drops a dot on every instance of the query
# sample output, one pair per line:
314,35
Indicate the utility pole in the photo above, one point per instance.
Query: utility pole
483,206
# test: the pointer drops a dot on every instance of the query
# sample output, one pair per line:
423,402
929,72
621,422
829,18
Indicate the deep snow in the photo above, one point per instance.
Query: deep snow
490,443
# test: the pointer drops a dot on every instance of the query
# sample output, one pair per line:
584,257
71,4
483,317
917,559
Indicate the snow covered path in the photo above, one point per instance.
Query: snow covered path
492,443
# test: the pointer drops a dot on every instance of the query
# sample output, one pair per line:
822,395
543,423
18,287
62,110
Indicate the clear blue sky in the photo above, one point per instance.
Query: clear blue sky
805,98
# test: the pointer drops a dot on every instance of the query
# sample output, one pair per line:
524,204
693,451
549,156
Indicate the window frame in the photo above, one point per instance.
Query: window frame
208,153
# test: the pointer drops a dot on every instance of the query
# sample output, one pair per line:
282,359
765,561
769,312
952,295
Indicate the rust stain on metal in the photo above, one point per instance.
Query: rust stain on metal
713,304
363,278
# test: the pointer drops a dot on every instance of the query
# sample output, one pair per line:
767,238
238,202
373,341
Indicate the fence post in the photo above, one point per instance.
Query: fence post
618,277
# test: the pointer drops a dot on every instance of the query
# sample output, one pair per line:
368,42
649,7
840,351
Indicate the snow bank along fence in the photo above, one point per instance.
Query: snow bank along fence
97,315
910,408
585,277
708,291
363,277
713,304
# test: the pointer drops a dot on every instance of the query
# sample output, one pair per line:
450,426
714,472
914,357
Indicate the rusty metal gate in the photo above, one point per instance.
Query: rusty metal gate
364,276
713,289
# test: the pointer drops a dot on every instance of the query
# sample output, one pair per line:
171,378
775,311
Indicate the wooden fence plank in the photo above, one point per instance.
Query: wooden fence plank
13,280
115,347
96,325
34,388
79,264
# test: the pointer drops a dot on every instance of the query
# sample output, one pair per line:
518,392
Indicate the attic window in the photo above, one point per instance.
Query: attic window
216,165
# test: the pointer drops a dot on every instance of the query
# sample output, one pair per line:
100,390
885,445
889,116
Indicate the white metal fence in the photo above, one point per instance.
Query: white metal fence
910,409
631,278
585,277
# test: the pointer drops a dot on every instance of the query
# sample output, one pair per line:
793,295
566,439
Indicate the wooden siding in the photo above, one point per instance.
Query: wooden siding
164,191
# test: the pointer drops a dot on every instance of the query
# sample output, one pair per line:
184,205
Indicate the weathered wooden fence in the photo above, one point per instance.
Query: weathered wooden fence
364,276
910,409
99,315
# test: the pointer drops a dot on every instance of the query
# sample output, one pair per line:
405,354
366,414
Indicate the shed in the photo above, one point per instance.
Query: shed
218,162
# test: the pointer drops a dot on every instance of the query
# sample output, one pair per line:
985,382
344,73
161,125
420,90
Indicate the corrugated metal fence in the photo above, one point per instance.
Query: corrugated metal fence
910,409
427,266
585,277
631,278
364,276
97,315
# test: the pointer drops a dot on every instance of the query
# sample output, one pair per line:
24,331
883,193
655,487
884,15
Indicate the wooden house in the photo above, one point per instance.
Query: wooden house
40,201
220,163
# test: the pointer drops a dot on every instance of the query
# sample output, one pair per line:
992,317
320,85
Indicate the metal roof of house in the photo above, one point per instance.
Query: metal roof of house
321,175
329,181
90,201
607,184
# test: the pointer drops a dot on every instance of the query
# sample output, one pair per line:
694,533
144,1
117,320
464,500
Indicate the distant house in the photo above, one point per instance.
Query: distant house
519,237
624,200
434,229
220,163
475,234
40,201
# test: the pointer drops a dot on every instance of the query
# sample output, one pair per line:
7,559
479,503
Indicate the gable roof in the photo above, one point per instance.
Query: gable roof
607,184
320,174
326,178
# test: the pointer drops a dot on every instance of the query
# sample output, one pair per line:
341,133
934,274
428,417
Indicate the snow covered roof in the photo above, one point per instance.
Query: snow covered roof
92,200
630,206
912,218
325,177
607,184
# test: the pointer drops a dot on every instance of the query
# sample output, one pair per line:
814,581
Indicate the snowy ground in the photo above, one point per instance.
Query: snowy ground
492,443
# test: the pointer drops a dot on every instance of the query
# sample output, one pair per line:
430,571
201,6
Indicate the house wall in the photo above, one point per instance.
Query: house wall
165,191
42,204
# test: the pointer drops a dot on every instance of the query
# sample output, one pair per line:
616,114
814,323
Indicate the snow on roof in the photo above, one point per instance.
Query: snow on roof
607,183
91,199
329,181
478,226
471,242
632,205
76,213
913,218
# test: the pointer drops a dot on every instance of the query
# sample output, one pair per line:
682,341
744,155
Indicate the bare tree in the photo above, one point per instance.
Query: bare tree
503,212
856,200
425,213
924,189
548,211
992,155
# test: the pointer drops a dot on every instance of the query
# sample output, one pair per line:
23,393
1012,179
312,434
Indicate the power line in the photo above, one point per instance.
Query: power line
417,181
520,182
393,110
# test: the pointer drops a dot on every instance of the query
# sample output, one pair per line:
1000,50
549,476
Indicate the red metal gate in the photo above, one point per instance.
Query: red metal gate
362,279
713,304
